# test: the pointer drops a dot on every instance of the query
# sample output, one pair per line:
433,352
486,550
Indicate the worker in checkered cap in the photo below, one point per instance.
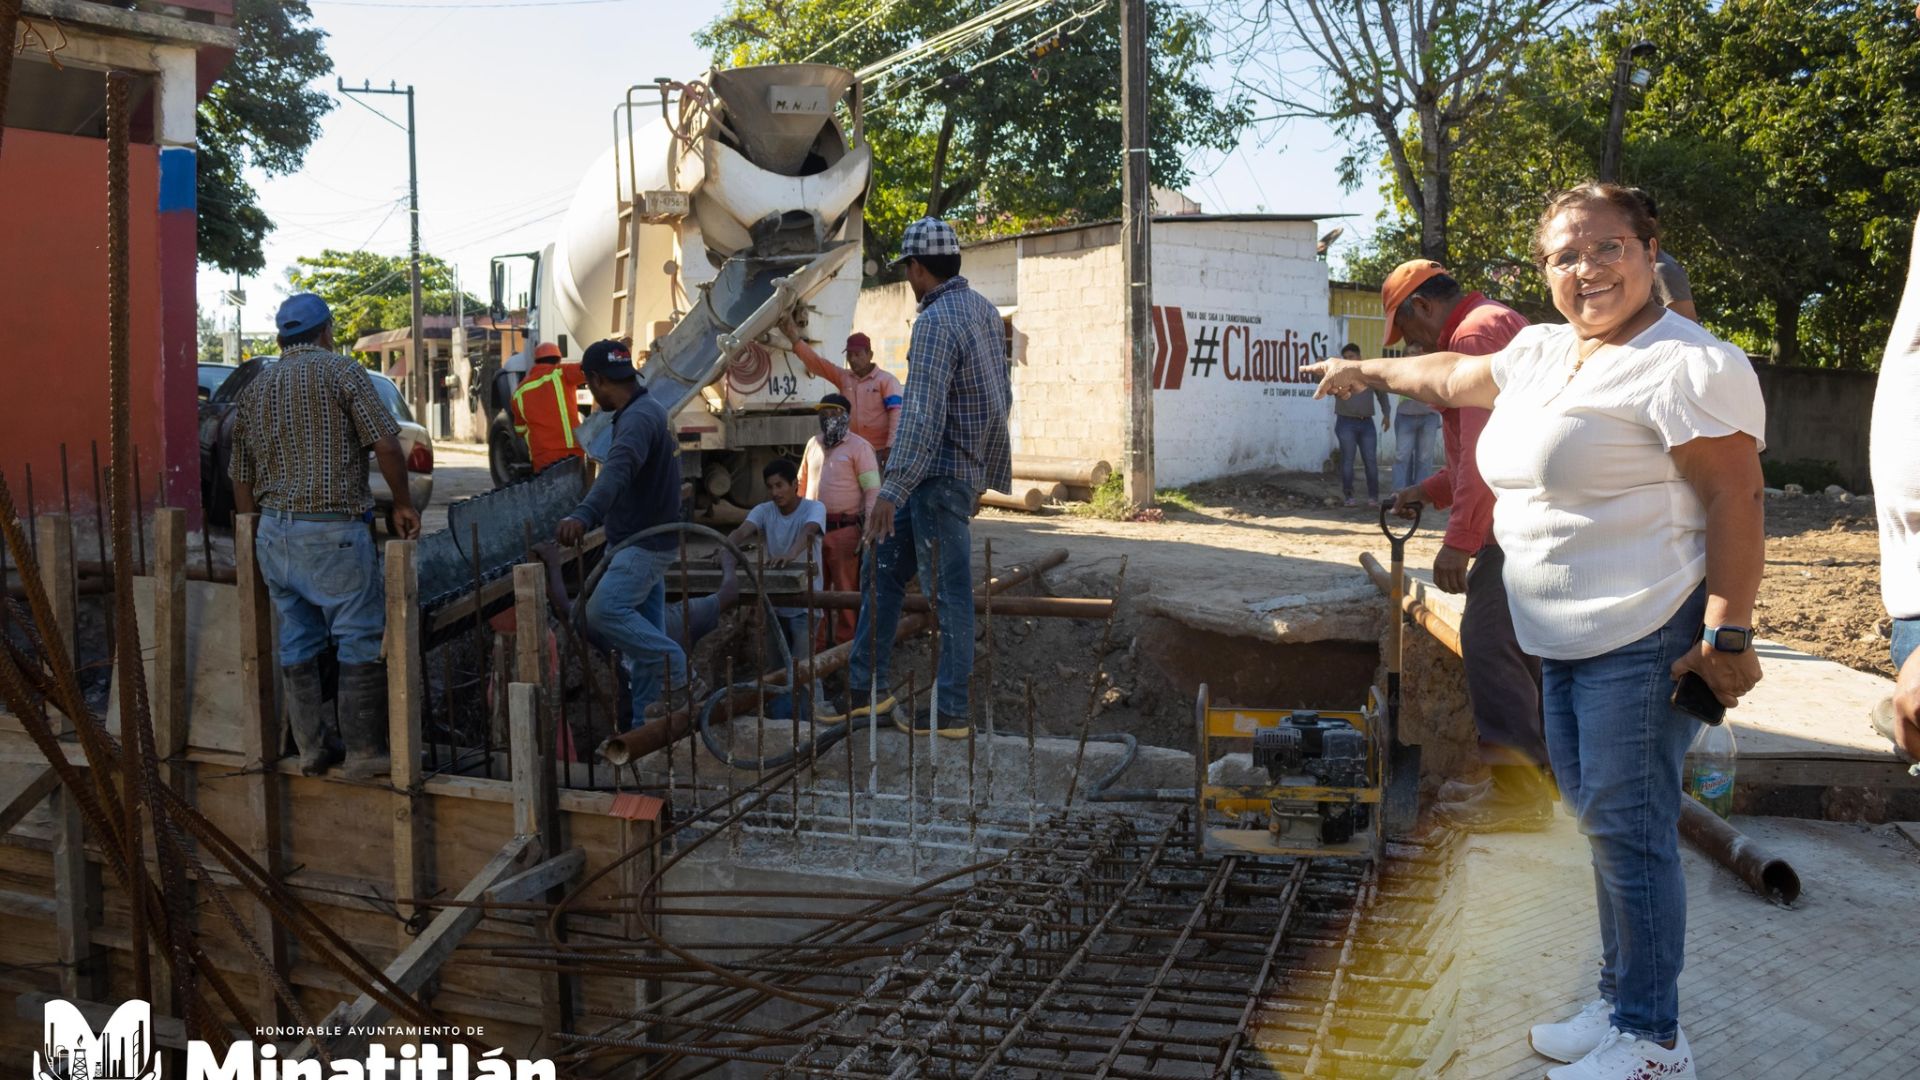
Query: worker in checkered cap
951,446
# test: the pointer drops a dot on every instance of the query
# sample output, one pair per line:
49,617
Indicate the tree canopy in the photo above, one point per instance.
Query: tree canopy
1777,139
259,114
1033,104
369,292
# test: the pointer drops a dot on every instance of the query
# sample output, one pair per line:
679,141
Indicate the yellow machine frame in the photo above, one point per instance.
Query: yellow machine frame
1237,724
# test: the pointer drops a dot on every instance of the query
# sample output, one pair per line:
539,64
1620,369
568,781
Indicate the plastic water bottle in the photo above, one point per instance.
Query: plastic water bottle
1709,767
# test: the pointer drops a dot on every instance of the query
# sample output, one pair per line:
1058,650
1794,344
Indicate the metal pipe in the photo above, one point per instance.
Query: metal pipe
1430,620
1763,871
678,725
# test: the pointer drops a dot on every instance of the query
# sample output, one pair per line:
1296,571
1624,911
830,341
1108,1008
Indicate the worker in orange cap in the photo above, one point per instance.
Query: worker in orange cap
545,408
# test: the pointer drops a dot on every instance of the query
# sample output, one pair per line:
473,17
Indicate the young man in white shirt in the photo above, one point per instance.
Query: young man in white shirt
792,527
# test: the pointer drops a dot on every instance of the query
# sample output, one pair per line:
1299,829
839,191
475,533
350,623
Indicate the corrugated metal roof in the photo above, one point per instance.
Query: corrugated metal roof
1159,219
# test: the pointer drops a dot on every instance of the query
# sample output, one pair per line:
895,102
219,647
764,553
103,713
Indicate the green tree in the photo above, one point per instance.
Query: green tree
260,114
1777,139
1030,108
369,292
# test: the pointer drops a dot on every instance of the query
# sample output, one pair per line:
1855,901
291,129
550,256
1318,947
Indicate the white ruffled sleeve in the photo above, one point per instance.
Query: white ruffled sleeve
1710,391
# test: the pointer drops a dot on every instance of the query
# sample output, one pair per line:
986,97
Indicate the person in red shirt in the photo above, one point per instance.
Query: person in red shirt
546,410
875,394
1427,307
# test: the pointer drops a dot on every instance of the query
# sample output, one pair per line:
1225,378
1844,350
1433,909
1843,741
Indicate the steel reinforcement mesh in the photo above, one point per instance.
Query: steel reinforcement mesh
1097,946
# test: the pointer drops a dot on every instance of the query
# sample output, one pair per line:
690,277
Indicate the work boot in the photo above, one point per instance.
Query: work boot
853,703
949,725
363,720
308,715
1461,791
1516,800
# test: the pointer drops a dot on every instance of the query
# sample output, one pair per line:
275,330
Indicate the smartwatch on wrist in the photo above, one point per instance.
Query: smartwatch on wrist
1728,639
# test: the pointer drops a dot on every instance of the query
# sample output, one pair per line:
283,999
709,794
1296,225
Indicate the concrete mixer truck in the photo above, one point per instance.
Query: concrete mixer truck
722,204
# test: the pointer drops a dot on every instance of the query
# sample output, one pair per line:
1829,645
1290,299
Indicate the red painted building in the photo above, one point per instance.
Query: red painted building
53,232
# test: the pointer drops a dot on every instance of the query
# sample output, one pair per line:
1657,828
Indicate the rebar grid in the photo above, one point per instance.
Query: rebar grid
1098,946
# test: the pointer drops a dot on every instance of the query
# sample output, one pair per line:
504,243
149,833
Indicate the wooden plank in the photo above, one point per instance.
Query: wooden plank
529,623
535,813
260,741
423,957
21,800
76,884
412,861
527,885
169,636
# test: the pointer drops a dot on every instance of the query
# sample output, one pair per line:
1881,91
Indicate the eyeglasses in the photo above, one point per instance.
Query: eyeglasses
1605,253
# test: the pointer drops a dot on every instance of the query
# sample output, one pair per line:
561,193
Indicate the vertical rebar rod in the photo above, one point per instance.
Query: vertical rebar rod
99,505
1093,683
139,514
973,801
136,737
446,703
733,834
913,794
871,562
760,625
33,516
933,688
66,508
813,694
666,697
1033,783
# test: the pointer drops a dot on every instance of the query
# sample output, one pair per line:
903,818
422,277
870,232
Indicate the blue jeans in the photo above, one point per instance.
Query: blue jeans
629,612
1413,438
941,508
1356,432
800,648
1906,638
325,580
1617,745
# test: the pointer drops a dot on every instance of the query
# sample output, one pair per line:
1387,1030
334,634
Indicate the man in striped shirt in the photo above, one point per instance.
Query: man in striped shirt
952,446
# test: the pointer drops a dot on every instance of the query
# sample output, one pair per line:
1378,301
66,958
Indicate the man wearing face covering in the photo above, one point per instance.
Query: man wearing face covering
841,471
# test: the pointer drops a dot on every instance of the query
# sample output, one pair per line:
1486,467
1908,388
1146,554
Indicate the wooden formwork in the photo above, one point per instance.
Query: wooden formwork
362,855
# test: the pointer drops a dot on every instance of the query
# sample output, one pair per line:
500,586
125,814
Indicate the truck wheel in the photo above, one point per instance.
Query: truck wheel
506,460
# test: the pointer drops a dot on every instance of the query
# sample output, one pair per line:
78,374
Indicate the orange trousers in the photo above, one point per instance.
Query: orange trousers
840,558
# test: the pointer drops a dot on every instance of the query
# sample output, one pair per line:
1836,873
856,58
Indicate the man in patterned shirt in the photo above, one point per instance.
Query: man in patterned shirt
952,446
300,441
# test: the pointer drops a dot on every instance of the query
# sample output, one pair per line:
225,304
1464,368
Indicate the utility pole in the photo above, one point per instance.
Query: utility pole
419,370
1626,73
1136,258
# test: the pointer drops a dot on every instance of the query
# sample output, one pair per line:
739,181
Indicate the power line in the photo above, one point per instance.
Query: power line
410,5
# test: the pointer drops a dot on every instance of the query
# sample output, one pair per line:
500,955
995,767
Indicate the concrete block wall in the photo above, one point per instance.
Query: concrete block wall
1069,396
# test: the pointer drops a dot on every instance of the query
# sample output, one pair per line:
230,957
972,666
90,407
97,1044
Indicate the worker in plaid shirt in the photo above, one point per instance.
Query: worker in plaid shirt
952,445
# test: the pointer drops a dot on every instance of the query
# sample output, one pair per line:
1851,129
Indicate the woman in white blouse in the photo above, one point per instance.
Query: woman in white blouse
1623,454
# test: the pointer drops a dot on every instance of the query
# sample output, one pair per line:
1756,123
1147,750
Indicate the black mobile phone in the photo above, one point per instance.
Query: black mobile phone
1692,695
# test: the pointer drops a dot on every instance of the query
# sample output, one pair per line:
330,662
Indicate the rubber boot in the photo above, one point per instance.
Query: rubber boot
307,713
363,720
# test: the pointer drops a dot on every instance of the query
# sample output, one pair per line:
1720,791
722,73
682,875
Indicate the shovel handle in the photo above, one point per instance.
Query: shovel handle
1399,538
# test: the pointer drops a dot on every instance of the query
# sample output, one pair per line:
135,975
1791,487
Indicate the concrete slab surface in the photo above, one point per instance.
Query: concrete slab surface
1828,988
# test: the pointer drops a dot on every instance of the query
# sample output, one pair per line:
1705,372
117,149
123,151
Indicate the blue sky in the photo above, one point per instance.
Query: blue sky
513,103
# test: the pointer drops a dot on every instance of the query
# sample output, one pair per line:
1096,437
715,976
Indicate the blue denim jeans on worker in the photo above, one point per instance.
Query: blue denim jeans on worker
628,611
1357,433
940,509
799,638
1617,745
1906,638
325,580
1413,439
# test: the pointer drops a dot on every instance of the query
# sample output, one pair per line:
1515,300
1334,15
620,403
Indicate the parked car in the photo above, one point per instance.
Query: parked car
216,445
211,376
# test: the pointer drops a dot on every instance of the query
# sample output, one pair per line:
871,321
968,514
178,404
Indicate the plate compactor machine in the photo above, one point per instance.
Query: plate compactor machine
1321,782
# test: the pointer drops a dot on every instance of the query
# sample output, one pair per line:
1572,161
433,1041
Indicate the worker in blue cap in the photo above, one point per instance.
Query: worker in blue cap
302,432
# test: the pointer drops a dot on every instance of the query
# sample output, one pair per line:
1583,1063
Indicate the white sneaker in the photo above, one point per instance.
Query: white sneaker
1624,1057
1573,1039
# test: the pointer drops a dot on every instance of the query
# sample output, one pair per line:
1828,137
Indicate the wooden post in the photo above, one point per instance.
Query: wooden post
530,623
169,706
640,828
535,813
412,858
76,886
260,740
170,643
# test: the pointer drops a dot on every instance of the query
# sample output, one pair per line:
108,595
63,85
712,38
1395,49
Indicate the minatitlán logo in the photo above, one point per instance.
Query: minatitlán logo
71,1050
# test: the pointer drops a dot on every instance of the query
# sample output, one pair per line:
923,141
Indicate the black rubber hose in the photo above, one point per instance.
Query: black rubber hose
1102,790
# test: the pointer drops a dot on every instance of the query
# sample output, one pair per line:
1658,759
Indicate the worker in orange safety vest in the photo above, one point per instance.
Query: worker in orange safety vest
546,409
